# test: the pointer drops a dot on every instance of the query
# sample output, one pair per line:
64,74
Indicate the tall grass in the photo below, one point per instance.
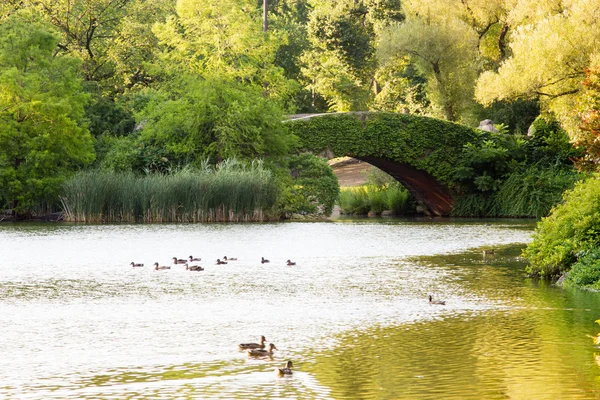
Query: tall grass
231,193
529,193
364,199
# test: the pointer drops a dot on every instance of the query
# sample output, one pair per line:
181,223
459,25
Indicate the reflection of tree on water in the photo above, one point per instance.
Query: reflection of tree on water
533,345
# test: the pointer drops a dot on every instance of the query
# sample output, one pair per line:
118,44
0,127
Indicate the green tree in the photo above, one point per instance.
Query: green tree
41,105
341,62
199,119
445,53
112,38
554,43
223,39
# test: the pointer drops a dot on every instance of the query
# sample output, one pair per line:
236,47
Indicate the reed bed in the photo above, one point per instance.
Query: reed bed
231,193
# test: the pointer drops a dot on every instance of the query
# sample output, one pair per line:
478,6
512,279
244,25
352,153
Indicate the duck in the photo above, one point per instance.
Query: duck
178,261
194,268
229,259
247,346
157,267
287,370
219,262
289,262
438,302
194,259
263,260
133,265
262,352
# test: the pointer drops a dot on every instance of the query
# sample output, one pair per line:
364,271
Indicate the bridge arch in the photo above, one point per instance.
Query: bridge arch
420,152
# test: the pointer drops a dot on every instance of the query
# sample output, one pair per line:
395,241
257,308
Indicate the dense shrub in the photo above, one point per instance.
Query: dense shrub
572,228
533,192
307,185
585,273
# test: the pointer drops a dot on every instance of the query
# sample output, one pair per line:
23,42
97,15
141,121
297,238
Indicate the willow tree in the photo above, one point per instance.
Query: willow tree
341,63
550,50
41,106
446,53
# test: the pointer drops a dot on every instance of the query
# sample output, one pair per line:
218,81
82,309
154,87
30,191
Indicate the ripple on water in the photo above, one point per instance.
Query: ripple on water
83,324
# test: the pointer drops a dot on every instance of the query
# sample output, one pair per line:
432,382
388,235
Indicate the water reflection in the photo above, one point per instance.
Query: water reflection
533,345
352,314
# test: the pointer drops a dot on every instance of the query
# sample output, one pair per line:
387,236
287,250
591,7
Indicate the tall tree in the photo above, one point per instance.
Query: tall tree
550,50
41,106
445,53
341,63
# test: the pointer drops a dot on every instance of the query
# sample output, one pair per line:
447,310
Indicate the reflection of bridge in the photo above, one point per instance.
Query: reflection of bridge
422,153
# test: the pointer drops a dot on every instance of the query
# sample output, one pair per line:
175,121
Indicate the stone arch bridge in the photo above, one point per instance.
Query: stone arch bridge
422,153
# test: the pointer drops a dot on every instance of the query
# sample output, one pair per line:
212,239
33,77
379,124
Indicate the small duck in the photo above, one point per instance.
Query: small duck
438,302
157,267
219,262
229,259
488,252
133,265
246,346
193,268
262,352
287,370
194,259
178,261
263,260
289,262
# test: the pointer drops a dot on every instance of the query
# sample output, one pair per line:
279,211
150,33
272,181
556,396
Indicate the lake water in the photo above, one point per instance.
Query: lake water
77,322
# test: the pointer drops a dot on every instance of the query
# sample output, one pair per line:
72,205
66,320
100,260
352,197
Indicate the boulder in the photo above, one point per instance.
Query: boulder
487,125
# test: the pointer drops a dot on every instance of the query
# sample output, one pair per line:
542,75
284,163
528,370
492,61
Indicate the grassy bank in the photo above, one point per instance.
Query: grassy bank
231,193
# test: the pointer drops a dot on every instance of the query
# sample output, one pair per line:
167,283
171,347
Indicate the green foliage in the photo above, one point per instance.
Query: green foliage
308,186
444,54
354,201
585,273
425,143
572,227
550,144
371,198
199,119
41,106
231,193
534,192
474,205
517,115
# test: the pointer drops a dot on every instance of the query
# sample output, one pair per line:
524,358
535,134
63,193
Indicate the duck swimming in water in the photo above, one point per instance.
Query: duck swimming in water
133,265
157,267
194,259
229,259
194,268
262,352
178,261
247,346
219,262
438,302
287,370
263,260
289,262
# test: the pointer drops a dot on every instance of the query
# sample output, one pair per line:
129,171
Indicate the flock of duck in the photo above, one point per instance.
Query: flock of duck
258,350
192,259
253,349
